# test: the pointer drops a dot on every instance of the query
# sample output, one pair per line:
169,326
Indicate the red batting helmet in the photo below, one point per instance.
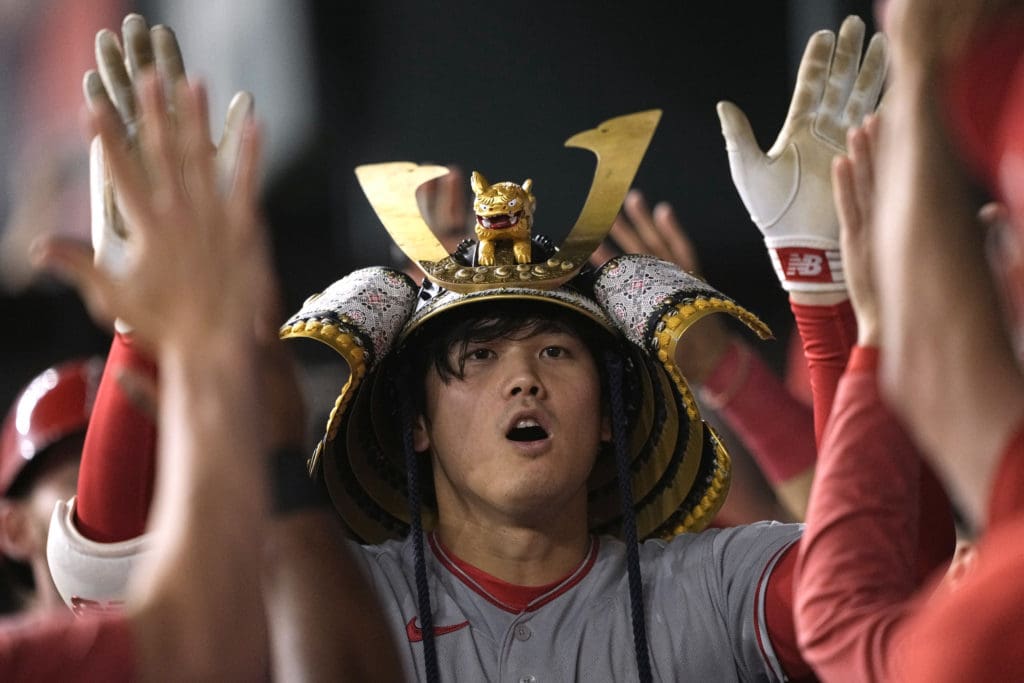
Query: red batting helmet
56,404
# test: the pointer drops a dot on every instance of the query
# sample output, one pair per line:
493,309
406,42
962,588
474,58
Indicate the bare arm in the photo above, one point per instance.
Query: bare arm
949,369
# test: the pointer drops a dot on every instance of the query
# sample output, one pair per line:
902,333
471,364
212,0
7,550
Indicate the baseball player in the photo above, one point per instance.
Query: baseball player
40,448
511,432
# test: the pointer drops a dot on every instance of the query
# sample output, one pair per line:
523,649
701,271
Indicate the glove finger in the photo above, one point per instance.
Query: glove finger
168,54
110,62
842,72
739,136
811,78
239,111
137,44
869,83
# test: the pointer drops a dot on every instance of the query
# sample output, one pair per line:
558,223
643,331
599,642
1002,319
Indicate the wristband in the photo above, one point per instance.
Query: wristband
292,487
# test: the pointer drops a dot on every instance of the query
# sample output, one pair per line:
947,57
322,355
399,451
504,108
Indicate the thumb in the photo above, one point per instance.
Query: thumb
739,136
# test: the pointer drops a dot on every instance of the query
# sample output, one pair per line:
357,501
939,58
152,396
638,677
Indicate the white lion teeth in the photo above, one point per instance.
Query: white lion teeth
515,219
486,222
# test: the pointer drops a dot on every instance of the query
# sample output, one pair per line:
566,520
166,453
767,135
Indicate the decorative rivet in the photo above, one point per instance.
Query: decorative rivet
540,270
502,271
462,273
553,262
568,265
525,275
479,277
481,269
523,267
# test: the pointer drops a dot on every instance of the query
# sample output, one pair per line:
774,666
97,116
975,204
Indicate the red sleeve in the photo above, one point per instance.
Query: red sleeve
776,428
778,615
828,334
873,523
1008,489
985,646
59,647
115,482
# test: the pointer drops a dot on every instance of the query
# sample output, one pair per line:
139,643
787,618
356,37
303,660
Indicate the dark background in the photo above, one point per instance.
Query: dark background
498,87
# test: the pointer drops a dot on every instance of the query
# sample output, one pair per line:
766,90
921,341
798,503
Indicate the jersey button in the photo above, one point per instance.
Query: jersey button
528,679
523,632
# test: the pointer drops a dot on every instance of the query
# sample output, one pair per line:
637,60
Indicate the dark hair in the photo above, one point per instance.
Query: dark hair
431,346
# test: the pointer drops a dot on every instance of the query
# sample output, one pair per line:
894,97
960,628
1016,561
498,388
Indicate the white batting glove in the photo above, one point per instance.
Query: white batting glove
118,69
788,191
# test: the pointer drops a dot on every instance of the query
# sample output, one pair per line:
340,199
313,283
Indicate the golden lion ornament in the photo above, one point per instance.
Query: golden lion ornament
504,216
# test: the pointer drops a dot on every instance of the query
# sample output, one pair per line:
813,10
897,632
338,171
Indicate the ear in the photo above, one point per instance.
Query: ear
420,435
527,185
15,539
478,183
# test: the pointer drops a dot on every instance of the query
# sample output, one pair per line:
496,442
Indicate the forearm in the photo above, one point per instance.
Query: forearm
323,614
207,520
860,561
941,326
776,429
115,484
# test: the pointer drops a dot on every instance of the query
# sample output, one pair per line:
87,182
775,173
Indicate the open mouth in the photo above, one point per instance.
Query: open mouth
499,221
527,430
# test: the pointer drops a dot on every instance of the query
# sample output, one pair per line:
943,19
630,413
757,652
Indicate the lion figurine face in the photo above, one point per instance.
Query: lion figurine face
504,217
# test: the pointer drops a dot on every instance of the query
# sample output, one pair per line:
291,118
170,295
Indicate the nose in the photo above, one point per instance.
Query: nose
524,380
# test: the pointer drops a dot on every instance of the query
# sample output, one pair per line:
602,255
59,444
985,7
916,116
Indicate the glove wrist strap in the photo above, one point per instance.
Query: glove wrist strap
807,263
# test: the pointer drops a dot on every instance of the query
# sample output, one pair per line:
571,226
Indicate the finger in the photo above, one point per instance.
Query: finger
244,195
157,139
603,254
194,146
844,68
864,97
95,92
844,193
640,216
141,390
680,246
239,111
863,171
453,207
71,261
811,77
110,63
626,237
137,44
739,136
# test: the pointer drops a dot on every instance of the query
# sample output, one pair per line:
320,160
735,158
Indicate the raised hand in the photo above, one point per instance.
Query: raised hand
787,190
197,257
118,71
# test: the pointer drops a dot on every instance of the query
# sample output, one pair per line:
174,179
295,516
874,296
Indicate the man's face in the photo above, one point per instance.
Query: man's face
514,440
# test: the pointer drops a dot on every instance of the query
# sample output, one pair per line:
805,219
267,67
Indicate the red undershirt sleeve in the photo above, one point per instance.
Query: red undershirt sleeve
59,647
871,524
828,334
776,428
115,482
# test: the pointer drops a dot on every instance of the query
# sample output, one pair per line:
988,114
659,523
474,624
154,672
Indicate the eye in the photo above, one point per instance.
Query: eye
512,202
479,353
555,352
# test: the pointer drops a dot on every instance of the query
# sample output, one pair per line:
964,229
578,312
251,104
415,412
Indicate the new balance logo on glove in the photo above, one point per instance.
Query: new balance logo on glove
806,264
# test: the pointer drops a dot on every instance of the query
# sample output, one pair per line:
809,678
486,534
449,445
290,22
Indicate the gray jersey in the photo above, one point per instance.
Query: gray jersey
704,601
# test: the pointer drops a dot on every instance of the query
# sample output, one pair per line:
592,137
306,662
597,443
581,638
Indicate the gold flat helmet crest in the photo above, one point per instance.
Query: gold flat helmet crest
619,145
